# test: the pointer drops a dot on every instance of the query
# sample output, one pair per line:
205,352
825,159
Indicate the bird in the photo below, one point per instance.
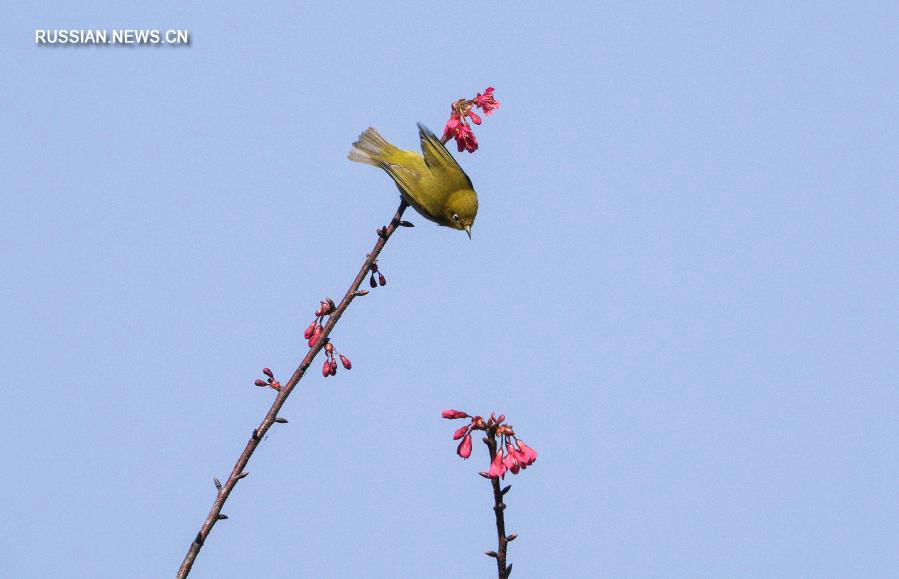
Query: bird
432,182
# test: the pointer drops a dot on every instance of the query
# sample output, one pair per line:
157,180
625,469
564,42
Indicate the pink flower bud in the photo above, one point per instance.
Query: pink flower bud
381,279
453,414
315,336
464,449
501,418
333,366
326,369
474,117
260,383
310,330
268,372
461,432
346,362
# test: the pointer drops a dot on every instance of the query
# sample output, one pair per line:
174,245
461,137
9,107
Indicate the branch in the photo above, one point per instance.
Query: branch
272,416
499,507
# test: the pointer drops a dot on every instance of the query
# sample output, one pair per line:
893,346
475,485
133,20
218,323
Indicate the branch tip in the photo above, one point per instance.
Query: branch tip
222,517
218,483
490,553
281,420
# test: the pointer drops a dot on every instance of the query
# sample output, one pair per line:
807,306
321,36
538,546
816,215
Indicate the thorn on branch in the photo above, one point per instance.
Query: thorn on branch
218,483
222,517
281,420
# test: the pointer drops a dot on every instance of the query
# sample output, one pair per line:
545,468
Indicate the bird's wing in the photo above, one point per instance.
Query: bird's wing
441,162
404,177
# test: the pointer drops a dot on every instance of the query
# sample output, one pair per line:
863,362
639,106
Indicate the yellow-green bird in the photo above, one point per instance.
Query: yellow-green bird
433,183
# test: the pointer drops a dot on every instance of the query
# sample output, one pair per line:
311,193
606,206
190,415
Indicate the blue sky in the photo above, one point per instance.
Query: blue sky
681,290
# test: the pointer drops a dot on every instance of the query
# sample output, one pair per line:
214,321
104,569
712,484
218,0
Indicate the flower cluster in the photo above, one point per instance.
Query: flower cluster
382,281
270,381
314,333
510,453
458,128
330,367
316,328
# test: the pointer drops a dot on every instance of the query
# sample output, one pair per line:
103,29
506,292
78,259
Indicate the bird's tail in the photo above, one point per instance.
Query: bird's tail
371,148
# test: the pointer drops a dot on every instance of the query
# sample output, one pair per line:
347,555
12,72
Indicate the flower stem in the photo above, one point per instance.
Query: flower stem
499,508
271,417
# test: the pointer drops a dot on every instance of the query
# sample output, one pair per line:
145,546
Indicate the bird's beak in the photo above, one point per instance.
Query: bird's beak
467,229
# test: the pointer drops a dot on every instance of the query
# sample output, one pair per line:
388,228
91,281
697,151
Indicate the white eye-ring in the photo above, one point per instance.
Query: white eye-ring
455,217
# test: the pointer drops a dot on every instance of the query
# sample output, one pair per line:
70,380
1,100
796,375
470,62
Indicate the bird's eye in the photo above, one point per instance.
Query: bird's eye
455,217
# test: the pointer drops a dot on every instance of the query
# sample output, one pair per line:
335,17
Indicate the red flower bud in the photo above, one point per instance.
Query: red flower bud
268,372
311,329
326,369
346,362
372,282
260,383
501,418
461,432
381,279
333,367
453,414
474,117
464,448
315,336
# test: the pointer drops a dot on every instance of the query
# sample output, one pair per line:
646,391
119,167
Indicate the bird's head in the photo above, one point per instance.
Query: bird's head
461,209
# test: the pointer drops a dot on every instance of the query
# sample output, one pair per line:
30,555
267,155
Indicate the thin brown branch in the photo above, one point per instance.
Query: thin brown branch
271,417
499,508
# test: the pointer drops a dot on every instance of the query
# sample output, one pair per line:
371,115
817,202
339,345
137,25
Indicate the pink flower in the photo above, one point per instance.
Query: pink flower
486,102
453,414
464,449
465,140
529,454
461,432
497,468
452,125
511,460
